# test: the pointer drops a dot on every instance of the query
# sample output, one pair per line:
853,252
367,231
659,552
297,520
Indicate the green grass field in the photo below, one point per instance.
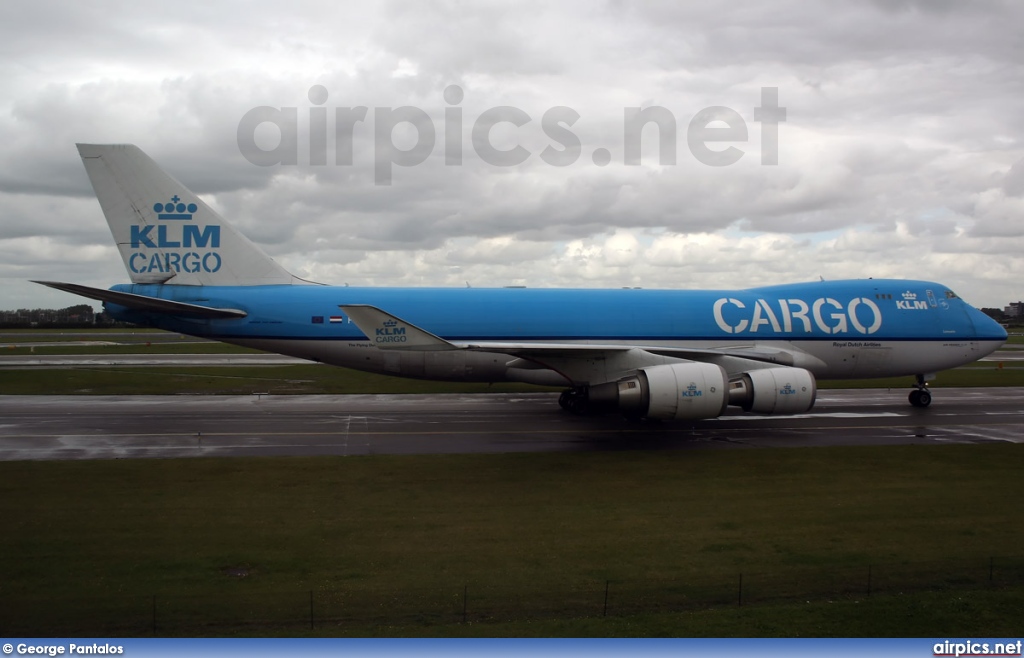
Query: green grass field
62,348
389,545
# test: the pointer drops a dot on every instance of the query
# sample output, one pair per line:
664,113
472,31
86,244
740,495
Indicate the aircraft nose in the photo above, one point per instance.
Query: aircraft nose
985,328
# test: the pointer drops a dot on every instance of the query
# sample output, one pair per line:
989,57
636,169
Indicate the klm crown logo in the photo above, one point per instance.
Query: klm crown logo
175,209
390,323
910,302
692,391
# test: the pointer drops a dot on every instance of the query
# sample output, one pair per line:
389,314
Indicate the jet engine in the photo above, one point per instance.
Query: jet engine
692,391
774,391
680,391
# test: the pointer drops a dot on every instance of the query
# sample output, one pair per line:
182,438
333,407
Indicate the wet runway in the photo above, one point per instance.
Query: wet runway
108,427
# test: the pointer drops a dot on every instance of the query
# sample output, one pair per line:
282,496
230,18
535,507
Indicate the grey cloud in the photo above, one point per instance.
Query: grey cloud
901,119
1013,183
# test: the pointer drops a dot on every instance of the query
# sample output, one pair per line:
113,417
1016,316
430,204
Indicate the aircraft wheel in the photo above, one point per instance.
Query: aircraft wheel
574,400
920,398
579,406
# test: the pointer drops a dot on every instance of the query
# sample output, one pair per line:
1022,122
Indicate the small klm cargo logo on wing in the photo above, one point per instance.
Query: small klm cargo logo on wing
910,302
390,333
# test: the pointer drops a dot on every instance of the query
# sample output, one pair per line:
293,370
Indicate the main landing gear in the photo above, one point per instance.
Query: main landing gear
920,396
575,400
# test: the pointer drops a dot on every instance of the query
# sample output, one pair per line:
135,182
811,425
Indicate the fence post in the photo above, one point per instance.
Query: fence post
740,595
606,585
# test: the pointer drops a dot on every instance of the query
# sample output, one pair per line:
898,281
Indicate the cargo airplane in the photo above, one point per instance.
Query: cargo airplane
662,354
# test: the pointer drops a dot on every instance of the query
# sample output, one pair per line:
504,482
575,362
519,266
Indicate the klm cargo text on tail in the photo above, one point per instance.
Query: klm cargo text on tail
174,235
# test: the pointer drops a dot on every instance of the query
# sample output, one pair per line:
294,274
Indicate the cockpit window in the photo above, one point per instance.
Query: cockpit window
950,294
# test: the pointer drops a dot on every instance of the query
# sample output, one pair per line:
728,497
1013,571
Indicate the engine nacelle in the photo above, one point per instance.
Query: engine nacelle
774,391
679,391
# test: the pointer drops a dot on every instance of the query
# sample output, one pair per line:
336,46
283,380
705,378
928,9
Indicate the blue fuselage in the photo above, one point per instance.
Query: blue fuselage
896,327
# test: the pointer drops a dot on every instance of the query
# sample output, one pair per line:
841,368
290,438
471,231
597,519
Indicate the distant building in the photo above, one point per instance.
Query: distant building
1014,310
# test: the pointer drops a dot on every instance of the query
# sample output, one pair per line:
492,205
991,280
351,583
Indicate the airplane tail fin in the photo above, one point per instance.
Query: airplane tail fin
167,234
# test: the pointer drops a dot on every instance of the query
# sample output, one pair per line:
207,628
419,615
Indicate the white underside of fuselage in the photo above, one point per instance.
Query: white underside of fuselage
839,359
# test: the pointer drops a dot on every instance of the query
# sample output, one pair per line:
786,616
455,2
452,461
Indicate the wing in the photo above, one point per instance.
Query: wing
575,361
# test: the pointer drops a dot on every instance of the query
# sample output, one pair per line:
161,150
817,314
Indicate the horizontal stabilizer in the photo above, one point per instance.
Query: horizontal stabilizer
391,333
143,303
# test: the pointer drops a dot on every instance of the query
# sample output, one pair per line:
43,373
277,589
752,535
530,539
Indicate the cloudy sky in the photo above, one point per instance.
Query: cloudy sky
900,155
